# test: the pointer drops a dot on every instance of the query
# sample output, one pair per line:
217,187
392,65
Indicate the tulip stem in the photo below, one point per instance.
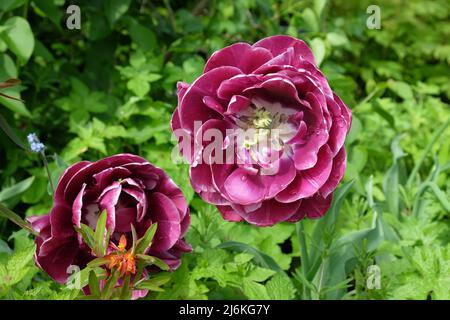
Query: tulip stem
44,159
303,254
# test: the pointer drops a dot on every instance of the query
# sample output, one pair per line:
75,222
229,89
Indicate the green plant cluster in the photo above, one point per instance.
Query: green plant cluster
110,88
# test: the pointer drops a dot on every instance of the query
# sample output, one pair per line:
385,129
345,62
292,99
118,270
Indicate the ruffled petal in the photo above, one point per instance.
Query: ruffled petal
281,43
240,55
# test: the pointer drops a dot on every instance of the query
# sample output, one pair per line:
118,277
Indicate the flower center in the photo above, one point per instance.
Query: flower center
261,119
265,131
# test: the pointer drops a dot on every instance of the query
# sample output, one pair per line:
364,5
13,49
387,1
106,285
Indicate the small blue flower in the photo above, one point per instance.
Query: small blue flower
36,145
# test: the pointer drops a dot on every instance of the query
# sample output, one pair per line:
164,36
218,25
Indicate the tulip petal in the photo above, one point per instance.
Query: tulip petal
336,175
192,107
243,188
281,43
240,55
271,212
308,182
163,211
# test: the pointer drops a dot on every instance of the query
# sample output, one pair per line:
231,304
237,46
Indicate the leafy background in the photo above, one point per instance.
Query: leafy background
110,88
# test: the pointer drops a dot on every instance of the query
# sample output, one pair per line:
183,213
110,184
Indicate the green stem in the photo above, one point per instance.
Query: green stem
44,159
303,254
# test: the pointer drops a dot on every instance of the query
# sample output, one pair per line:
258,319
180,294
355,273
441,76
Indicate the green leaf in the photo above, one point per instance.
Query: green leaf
139,86
49,8
19,37
325,228
16,189
154,283
319,5
336,39
5,212
17,266
260,258
8,5
402,89
99,235
434,138
142,36
145,242
94,284
310,19
150,260
11,134
280,287
318,49
254,290
87,234
259,274
97,262
114,9
110,284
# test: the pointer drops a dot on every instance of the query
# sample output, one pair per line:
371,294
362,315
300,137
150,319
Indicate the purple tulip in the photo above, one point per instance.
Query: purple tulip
132,191
273,86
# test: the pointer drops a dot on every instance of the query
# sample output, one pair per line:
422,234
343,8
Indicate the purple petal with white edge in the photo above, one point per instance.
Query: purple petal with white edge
139,195
108,201
237,84
281,43
57,261
164,212
213,104
39,222
240,55
237,104
77,207
316,206
61,221
84,175
243,188
308,182
192,107
65,178
339,127
105,177
181,89
282,89
229,214
271,212
337,173
279,181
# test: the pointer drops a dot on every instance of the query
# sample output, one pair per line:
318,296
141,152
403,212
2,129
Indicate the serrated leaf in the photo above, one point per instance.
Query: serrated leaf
254,290
260,258
280,287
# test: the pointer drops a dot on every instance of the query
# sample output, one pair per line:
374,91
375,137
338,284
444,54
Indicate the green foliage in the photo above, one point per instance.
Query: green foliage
110,88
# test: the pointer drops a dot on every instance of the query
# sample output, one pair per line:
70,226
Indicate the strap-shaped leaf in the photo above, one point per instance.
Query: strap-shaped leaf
145,242
87,234
99,235
7,213
154,283
97,262
94,284
150,260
